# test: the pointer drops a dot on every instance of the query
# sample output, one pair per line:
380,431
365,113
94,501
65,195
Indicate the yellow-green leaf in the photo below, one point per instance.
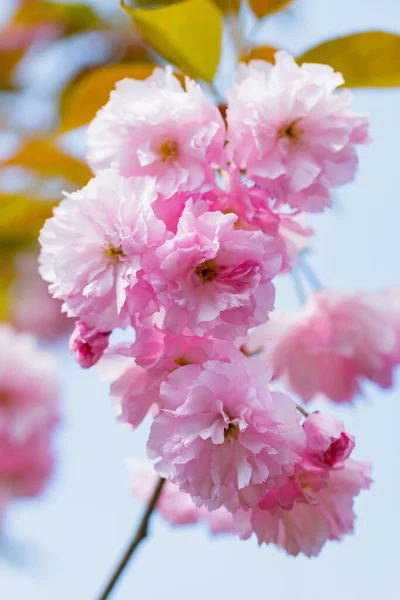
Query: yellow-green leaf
6,278
21,218
47,160
14,42
261,8
224,5
266,53
188,34
228,6
368,59
90,92
72,18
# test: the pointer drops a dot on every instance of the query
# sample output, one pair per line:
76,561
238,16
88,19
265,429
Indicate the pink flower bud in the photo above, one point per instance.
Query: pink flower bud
87,344
328,444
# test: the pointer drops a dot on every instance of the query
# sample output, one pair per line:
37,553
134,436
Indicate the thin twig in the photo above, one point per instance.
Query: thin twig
311,276
298,286
140,535
302,410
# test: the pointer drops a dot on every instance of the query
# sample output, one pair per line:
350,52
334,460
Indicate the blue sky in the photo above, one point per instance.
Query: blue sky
64,545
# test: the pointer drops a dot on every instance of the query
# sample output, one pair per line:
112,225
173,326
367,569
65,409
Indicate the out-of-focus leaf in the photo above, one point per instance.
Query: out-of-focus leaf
90,92
6,278
15,40
13,46
187,33
367,59
260,53
228,6
224,5
21,218
73,18
47,160
261,8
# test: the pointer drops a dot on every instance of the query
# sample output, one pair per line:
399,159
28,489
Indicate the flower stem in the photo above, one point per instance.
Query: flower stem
140,535
302,410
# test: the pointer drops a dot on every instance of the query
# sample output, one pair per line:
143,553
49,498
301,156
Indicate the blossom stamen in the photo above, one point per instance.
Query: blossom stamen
206,271
4,400
115,253
168,150
232,431
291,131
181,361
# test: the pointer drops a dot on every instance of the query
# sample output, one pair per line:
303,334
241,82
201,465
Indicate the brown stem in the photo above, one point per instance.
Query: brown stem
140,535
302,410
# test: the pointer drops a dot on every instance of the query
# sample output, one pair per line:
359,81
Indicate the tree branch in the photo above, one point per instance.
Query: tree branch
140,535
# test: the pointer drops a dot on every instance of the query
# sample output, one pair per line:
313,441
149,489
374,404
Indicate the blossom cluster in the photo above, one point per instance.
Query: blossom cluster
180,235
29,412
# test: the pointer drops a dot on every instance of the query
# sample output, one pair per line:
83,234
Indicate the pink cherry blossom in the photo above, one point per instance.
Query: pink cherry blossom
292,132
29,412
32,308
214,278
29,400
92,250
154,127
175,506
146,363
313,507
328,444
222,436
26,466
332,344
256,210
88,344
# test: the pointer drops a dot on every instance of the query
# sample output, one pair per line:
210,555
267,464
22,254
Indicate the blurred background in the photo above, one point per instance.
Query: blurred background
65,544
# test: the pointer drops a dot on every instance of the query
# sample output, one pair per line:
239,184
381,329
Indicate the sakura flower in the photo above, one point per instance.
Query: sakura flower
29,411
328,444
256,210
292,132
330,346
88,344
175,507
31,307
313,507
222,436
25,468
212,278
150,360
28,387
92,250
154,127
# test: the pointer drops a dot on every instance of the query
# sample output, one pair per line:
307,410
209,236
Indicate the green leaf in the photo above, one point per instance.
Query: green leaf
72,18
15,40
368,59
21,218
266,53
261,8
224,5
90,92
187,33
42,156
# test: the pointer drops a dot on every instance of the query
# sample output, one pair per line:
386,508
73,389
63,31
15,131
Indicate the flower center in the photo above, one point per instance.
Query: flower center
114,253
206,271
181,361
168,150
232,431
292,131
4,399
